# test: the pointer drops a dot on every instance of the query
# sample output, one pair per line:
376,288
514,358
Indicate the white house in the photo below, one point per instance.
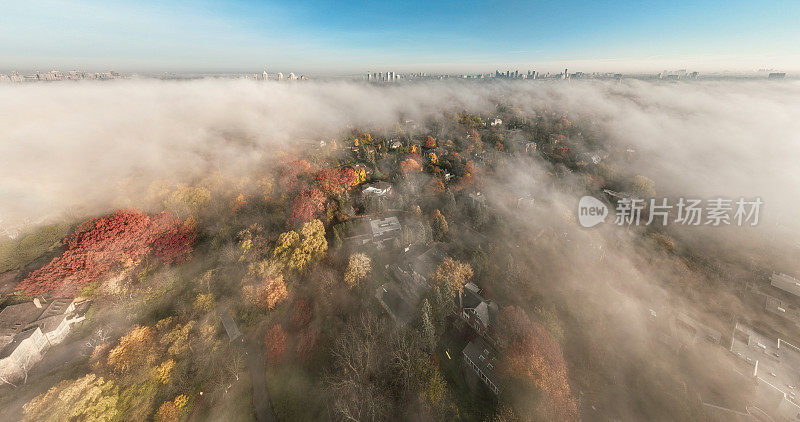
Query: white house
28,329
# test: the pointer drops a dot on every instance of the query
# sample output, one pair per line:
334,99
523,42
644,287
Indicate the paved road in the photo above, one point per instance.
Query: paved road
258,374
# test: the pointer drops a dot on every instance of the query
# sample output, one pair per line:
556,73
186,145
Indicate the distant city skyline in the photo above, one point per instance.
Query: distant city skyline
338,38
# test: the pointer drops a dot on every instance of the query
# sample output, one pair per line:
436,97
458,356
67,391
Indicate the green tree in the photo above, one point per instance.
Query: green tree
428,331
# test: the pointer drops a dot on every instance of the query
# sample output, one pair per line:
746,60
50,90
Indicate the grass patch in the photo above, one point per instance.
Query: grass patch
17,253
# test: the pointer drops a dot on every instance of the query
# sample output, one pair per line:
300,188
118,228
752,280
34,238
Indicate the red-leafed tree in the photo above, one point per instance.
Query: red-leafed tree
301,314
173,238
306,340
329,180
292,172
533,355
99,244
306,206
275,341
349,176
429,143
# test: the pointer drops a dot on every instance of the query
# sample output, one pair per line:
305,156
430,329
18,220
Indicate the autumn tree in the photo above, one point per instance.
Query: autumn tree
275,341
427,328
306,206
268,288
358,266
87,398
135,348
205,302
410,165
294,251
187,200
306,340
435,187
333,181
453,273
292,172
301,314
643,188
439,226
172,238
430,143
98,245
350,177
173,410
532,354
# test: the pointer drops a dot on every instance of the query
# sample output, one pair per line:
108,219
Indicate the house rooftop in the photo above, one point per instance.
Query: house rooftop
15,341
786,283
484,359
382,226
15,318
230,326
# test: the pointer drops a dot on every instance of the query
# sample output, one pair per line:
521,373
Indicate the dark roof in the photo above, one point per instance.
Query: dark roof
399,309
15,318
485,310
485,357
470,299
56,307
401,295
424,260
230,326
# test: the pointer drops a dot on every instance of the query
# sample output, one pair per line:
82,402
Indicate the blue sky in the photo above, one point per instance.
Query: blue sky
353,36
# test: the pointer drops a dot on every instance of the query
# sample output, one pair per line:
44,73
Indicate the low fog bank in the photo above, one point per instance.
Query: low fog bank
87,147
68,145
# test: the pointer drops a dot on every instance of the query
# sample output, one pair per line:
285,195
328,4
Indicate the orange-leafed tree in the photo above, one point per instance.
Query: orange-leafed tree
532,355
273,292
409,164
329,180
135,348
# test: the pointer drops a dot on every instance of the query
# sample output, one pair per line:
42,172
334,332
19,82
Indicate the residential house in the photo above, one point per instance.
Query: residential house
28,329
376,231
480,313
409,281
482,358
377,189
781,297
776,367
